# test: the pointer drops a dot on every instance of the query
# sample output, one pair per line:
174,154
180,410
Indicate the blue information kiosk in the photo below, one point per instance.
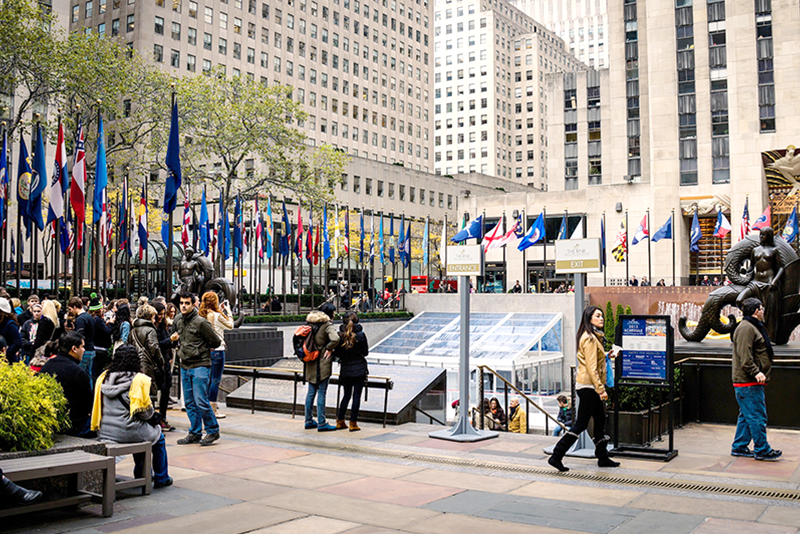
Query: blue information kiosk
646,361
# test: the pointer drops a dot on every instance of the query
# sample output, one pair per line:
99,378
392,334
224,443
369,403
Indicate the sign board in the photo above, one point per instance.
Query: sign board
578,256
466,260
645,348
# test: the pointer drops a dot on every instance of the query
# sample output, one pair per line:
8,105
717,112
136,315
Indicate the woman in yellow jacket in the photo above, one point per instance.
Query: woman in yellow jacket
591,391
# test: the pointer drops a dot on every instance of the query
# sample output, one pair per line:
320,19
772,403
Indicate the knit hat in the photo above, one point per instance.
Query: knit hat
94,303
5,305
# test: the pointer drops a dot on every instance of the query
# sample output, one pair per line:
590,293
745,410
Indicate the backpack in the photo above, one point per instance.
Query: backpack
304,342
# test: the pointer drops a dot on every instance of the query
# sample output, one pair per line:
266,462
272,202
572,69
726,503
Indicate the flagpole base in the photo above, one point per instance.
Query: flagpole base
463,432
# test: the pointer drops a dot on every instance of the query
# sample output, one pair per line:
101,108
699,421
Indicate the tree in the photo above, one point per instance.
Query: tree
610,326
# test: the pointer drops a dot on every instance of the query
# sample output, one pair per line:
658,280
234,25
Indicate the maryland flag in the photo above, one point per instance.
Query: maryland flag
620,250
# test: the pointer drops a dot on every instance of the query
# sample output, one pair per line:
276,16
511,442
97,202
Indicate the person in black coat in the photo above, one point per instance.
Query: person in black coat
35,332
75,381
352,357
165,344
9,330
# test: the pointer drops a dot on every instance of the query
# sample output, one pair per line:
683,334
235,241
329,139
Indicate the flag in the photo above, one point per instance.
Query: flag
534,235
38,181
493,235
13,253
577,233
347,231
696,234
401,246
620,249
269,228
372,236
316,247
259,233
470,231
298,243
122,219
562,231
310,241
100,205
764,220
744,229
790,230
77,188
603,240
204,237
723,226
58,181
143,233
23,185
407,246
223,231
361,250
173,161
391,238
665,232
336,232
286,229
326,242
502,238
443,244
381,251
425,244
187,220
4,181
642,231
238,243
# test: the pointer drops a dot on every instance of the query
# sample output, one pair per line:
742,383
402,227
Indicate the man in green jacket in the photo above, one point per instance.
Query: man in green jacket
751,364
197,338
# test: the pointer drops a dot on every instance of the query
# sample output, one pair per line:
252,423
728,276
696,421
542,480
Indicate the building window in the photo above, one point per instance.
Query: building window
159,27
88,9
191,63
158,53
175,58
115,27
176,31
129,25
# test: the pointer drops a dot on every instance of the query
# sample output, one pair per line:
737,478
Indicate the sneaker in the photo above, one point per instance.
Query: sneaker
744,453
165,426
326,428
189,439
310,426
208,439
164,484
771,456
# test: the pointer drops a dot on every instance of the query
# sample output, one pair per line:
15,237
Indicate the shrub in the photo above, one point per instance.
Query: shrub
32,408
610,326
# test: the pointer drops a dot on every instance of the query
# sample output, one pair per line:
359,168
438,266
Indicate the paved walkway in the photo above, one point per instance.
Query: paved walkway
268,475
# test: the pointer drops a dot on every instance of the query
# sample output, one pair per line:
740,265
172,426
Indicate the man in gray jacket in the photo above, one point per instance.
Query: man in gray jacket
751,364
197,338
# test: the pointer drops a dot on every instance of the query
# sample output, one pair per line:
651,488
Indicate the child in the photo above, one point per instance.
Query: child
564,414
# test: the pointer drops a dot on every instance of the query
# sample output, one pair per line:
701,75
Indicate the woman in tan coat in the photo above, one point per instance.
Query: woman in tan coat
591,391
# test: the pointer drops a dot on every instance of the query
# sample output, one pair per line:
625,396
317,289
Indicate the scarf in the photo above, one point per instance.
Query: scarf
139,395
763,331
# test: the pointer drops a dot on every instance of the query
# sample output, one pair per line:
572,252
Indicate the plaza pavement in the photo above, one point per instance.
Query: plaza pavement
268,475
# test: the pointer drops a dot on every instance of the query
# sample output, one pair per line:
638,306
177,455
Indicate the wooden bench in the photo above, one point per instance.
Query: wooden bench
67,463
146,481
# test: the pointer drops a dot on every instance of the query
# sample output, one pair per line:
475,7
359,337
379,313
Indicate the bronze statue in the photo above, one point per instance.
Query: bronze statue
196,275
767,268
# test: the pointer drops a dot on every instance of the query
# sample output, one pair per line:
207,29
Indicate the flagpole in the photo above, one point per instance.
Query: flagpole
627,254
721,253
649,263
605,258
4,222
33,271
444,250
253,273
57,227
672,227
128,235
524,259
482,284
544,249
170,237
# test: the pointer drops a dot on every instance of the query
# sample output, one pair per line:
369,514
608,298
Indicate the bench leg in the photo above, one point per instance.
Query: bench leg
109,487
147,489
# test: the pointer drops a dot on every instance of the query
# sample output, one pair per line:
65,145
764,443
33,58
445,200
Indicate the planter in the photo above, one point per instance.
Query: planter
641,428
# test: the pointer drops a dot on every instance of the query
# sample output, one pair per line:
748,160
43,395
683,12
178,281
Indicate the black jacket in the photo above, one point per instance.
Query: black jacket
25,316
85,325
164,342
9,329
353,361
44,332
77,389
102,333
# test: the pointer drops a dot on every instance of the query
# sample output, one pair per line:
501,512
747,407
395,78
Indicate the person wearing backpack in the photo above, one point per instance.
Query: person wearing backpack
352,357
322,339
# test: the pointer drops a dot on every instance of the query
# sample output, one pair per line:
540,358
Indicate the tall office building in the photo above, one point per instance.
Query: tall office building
582,24
490,104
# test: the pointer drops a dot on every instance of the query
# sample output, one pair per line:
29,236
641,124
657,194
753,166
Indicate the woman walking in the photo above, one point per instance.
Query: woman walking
165,344
221,319
145,340
352,357
591,392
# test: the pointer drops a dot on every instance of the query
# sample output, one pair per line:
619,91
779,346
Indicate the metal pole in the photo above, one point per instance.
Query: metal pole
627,255
649,264
170,237
544,248
605,262
672,225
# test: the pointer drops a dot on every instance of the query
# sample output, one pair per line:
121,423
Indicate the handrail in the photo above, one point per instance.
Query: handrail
531,401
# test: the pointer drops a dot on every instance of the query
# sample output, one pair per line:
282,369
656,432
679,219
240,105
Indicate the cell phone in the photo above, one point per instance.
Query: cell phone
615,350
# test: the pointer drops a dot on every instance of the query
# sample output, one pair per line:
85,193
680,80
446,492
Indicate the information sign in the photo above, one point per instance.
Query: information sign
578,256
466,260
644,356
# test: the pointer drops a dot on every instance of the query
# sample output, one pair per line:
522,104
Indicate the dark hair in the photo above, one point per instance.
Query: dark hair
51,348
349,321
188,295
750,306
562,398
328,309
586,326
75,302
159,306
69,340
3,343
126,360
123,315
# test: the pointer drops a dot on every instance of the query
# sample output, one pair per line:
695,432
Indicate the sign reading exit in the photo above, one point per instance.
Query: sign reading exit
578,256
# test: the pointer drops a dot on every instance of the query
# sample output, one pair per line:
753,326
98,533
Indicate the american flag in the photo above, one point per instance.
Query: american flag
259,233
187,220
745,228
77,189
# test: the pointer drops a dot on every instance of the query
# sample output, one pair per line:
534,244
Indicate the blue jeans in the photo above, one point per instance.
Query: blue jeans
217,365
195,383
160,465
320,391
557,431
87,364
752,422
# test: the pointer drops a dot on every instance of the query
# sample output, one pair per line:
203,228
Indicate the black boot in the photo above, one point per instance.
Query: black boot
601,452
560,450
17,494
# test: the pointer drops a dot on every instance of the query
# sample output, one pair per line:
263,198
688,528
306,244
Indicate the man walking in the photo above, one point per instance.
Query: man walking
197,338
84,324
752,360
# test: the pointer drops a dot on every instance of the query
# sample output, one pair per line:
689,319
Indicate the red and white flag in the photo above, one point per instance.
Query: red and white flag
745,228
764,220
187,220
77,191
642,232
496,238
259,233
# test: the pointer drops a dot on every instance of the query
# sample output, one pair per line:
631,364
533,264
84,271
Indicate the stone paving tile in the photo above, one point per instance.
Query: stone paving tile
585,494
392,491
235,519
468,481
651,522
375,514
461,524
295,476
446,445
507,446
215,462
369,529
304,525
715,525
699,506
134,522
780,470
231,487
358,466
388,436
262,452
698,463
510,454
555,517
781,515
180,473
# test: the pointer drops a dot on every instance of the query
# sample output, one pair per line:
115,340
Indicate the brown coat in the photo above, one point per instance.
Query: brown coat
327,338
592,362
747,340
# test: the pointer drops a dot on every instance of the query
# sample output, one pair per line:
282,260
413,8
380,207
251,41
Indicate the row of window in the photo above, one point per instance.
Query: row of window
388,188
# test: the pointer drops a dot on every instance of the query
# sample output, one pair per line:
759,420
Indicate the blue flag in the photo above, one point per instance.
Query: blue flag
603,240
224,233
425,244
173,164
4,181
665,232
204,233
122,221
286,230
391,238
268,228
326,242
23,186
380,243
402,240
39,180
100,175
238,244
790,230
534,235
696,234
361,250
562,231
407,246
472,231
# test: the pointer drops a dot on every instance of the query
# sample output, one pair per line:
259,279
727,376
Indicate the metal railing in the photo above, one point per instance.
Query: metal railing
296,376
528,401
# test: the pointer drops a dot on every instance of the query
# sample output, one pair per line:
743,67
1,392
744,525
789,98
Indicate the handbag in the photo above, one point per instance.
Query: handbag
609,372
